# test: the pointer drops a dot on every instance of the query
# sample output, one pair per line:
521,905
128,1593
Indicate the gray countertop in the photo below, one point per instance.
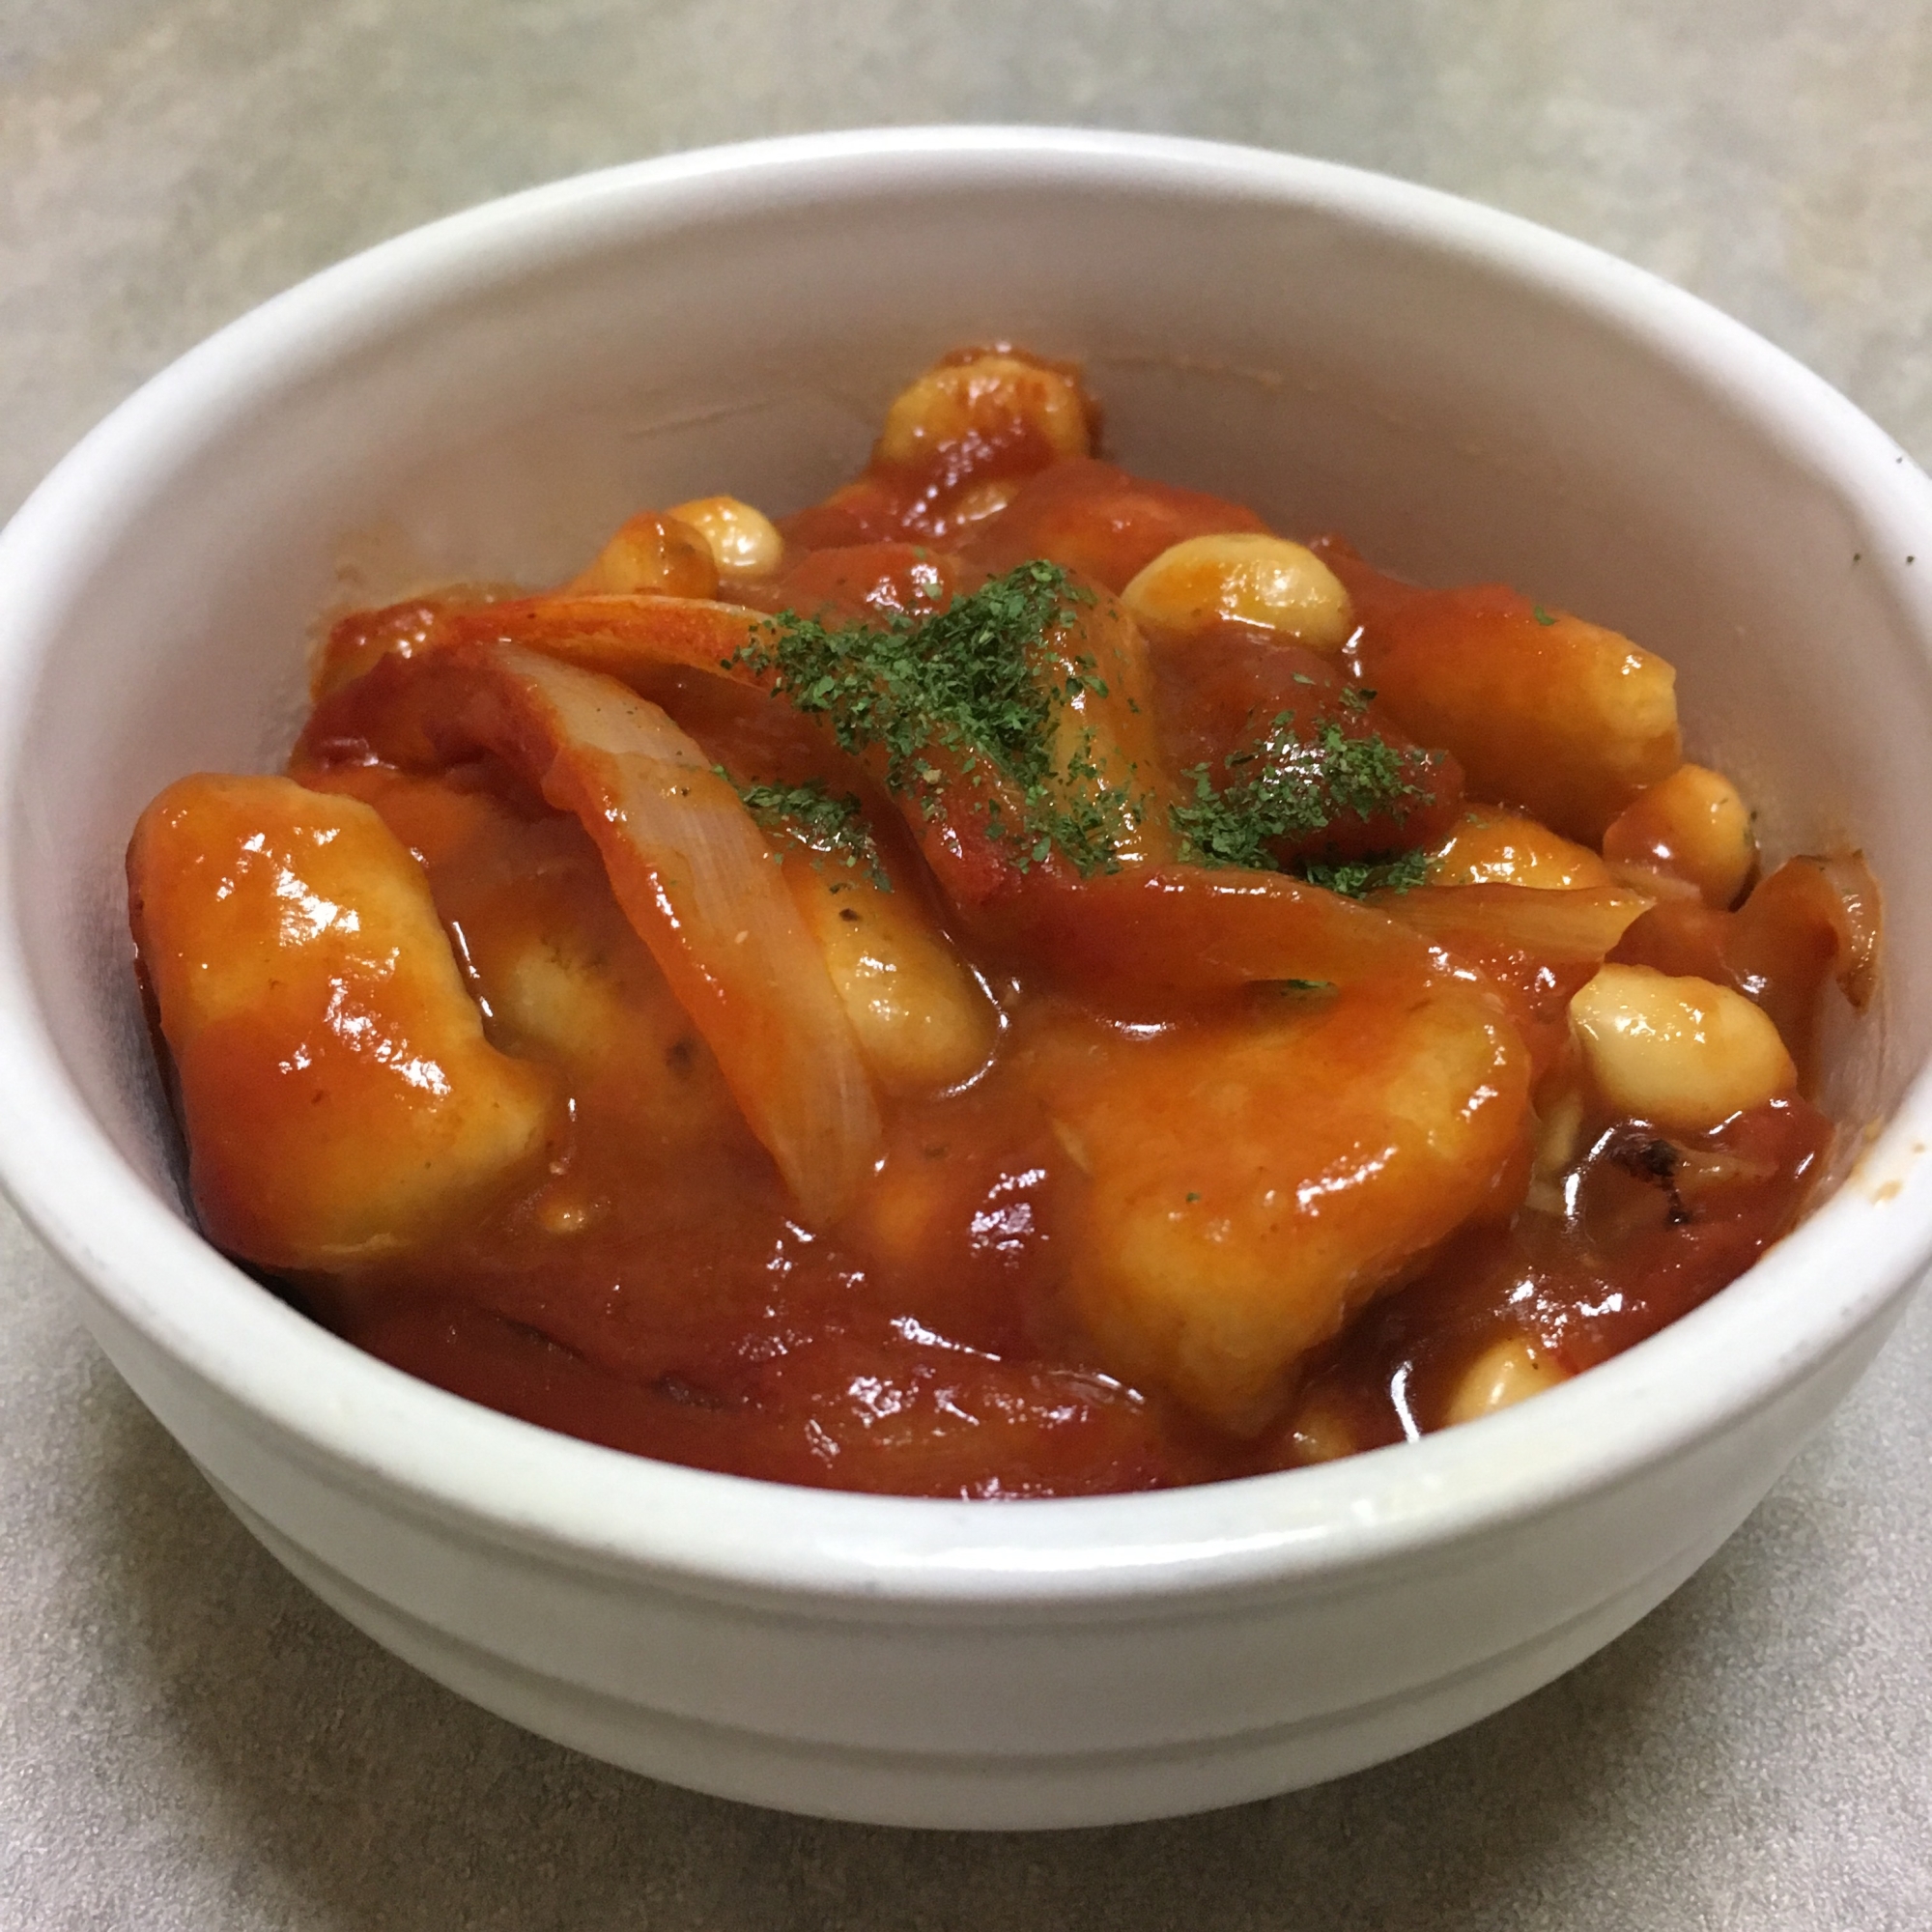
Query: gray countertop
188,1739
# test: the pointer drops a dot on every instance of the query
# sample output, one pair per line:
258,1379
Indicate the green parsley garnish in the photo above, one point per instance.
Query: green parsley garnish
830,823
1299,788
1390,872
978,687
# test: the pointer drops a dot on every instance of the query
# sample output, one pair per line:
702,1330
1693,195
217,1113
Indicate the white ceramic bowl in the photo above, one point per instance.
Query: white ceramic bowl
1469,397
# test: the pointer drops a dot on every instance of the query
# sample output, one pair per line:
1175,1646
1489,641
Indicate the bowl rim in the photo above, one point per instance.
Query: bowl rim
423,1452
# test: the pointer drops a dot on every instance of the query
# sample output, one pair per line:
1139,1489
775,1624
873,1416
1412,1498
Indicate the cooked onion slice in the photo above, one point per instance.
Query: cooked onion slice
1105,727
692,871
1579,923
1846,896
696,877
622,634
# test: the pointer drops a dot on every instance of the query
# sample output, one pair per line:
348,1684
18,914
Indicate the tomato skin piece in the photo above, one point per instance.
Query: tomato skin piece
1097,519
865,1411
1810,922
1227,691
857,583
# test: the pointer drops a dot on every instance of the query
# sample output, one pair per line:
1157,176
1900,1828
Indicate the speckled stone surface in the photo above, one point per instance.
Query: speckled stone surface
189,1741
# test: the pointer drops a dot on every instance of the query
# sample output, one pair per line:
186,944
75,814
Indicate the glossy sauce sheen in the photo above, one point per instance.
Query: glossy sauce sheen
644,1278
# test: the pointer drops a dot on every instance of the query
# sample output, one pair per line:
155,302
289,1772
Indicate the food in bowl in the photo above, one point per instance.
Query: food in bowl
1016,979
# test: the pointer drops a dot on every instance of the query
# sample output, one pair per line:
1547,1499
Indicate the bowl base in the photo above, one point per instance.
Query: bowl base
975,1792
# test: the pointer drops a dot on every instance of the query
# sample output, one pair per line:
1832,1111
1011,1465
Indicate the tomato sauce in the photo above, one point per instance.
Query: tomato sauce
641,1274
658,1296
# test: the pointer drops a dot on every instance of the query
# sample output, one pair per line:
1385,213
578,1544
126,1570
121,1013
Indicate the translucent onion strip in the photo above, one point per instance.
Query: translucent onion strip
1580,924
623,635
639,639
1856,920
693,875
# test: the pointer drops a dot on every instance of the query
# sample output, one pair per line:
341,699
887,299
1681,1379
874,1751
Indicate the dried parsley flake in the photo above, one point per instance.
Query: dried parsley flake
977,688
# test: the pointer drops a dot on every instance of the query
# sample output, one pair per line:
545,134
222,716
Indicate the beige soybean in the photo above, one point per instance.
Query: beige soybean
1693,827
987,397
1679,1051
654,550
1491,846
744,542
1248,576
1504,1374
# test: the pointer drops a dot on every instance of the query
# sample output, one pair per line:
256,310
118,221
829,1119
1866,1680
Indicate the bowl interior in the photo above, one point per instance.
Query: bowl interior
1462,396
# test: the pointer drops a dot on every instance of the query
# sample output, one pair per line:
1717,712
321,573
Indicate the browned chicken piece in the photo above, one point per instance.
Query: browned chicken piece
339,1098
1249,1186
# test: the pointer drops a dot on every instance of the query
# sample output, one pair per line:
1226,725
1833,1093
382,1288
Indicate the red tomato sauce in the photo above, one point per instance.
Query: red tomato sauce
649,1283
659,1297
